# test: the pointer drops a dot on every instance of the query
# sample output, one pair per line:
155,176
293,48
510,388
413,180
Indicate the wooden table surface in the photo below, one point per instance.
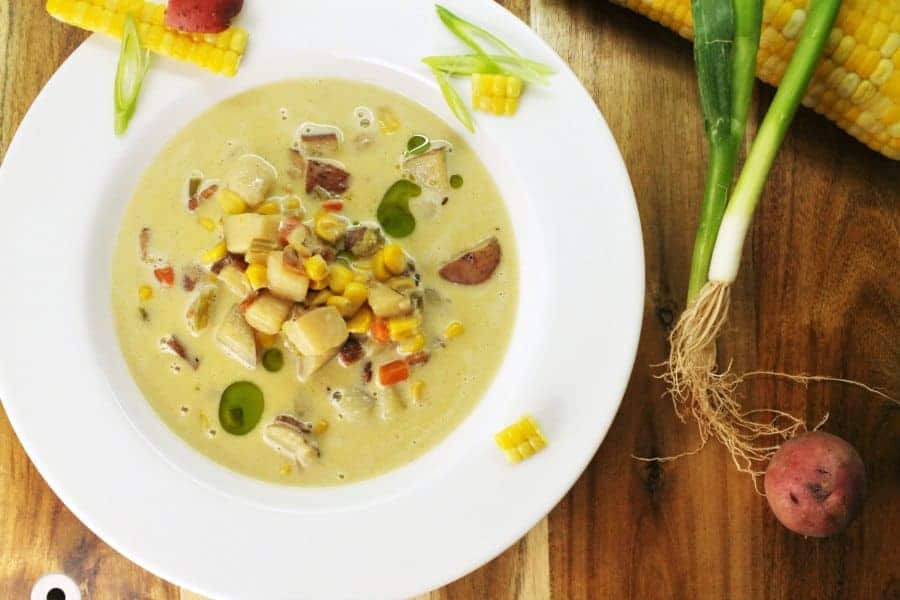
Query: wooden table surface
819,292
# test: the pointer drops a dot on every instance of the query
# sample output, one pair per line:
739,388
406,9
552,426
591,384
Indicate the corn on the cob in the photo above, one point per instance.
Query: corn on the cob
218,52
498,94
857,83
521,439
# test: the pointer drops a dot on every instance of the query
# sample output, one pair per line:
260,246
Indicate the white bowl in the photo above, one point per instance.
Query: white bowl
97,442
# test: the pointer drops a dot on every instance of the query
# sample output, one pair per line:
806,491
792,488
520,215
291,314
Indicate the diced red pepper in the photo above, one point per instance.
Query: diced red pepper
393,372
379,330
165,275
333,205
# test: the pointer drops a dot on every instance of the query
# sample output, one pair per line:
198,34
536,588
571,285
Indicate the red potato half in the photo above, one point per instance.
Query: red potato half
475,265
816,484
202,16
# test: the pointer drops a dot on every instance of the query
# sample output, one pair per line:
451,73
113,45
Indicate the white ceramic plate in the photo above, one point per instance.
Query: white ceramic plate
68,394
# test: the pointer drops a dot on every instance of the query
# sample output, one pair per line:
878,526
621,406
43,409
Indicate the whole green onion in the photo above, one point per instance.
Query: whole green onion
726,41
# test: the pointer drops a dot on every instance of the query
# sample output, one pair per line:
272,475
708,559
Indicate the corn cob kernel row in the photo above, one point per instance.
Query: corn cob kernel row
521,439
857,83
217,52
497,94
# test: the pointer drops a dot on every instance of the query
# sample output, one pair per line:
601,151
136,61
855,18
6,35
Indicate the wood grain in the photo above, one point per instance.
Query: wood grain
819,292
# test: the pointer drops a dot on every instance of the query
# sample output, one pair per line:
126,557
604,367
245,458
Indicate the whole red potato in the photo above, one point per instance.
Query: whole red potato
816,484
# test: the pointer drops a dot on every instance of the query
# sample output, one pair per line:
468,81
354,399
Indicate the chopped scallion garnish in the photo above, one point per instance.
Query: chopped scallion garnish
133,62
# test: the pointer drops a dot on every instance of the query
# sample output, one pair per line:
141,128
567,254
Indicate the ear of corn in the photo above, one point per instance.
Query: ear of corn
521,439
218,52
857,83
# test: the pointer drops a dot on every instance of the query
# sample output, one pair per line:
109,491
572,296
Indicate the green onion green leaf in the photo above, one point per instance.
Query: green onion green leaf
393,213
453,99
133,62
417,144
494,64
468,32
240,407
273,360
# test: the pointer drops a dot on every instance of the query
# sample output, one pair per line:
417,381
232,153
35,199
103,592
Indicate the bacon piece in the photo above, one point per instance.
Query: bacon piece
419,358
201,195
367,372
173,345
144,240
351,351
327,177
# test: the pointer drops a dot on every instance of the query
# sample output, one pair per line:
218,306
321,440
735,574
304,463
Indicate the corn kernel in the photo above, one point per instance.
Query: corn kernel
214,254
498,94
270,207
521,439
318,285
145,292
403,327
320,298
291,204
394,259
401,284
321,426
231,203
341,275
388,122
379,269
454,329
417,390
412,344
361,321
356,292
286,469
258,275
344,306
316,267
330,227
207,223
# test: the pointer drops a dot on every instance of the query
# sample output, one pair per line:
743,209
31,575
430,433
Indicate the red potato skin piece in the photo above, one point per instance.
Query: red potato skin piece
330,178
475,265
816,484
202,16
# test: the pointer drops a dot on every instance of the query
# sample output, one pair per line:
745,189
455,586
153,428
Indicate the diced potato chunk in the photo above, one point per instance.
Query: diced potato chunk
387,303
307,365
251,178
236,337
284,281
235,280
267,313
241,230
316,332
430,170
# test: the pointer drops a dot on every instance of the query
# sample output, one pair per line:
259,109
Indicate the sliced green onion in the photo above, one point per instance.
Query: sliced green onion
469,64
456,103
273,360
417,144
456,181
240,407
133,62
468,32
726,41
393,213
726,255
